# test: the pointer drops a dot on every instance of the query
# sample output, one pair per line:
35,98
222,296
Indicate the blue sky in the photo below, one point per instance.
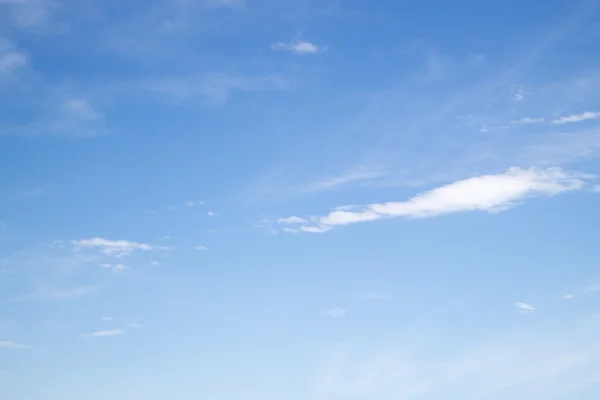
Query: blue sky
311,200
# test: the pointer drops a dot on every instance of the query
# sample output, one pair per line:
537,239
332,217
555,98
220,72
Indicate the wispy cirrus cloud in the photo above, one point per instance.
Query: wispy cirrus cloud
584,116
527,120
292,220
541,364
491,193
44,292
81,109
12,60
216,87
73,117
5,344
115,248
346,178
194,203
279,184
298,47
112,332
524,307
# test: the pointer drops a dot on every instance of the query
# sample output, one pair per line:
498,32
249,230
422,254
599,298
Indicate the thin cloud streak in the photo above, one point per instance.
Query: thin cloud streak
525,307
112,332
116,248
586,115
5,344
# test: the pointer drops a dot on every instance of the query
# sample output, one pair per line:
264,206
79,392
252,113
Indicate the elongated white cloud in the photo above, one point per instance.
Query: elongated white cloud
194,203
298,47
292,220
4,344
117,248
525,307
528,120
112,332
491,193
586,115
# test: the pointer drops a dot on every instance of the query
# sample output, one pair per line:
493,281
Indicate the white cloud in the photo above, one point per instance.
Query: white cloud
201,248
72,117
12,345
112,332
11,59
528,120
292,220
315,229
108,319
586,115
50,293
336,312
116,248
194,203
567,297
525,307
114,267
81,109
596,189
278,183
358,174
212,213
155,263
491,193
135,326
298,47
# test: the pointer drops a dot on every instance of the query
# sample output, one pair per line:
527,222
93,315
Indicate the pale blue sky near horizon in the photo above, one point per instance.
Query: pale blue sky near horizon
311,200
